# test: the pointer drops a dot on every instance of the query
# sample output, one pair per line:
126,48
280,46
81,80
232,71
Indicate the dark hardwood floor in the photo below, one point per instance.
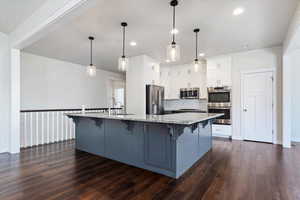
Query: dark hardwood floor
232,170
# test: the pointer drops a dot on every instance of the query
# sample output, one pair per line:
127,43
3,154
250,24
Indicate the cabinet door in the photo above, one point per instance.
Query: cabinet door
211,75
205,137
157,146
187,148
123,141
90,135
219,72
225,72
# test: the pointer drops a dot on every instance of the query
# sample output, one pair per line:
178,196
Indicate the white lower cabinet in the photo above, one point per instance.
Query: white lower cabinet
221,130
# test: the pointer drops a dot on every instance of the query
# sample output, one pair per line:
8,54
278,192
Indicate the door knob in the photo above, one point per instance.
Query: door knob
245,110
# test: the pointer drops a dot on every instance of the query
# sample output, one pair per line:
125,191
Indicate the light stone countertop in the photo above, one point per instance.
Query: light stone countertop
179,118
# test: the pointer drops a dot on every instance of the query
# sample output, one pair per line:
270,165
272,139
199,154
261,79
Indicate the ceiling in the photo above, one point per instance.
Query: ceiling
13,12
263,24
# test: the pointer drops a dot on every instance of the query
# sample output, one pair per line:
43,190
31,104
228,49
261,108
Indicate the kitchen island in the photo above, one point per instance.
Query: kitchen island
166,144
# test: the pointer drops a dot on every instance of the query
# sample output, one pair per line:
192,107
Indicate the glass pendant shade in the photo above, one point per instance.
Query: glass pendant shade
91,70
173,52
123,64
196,65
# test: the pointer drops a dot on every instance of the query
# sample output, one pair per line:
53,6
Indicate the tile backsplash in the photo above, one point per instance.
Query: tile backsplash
177,104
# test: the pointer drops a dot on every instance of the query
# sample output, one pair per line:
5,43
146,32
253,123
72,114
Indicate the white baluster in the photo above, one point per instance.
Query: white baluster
48,127
57,127
25,129
70,127
53,127
42,125
21,130
31,134
65,127
37,128
62,126
73,130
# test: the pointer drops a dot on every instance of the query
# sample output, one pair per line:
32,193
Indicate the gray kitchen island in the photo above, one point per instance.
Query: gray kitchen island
166,144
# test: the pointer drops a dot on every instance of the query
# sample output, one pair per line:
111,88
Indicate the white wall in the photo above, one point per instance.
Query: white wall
295,82
252,60
292,39
142,70
290,110
53,84
4,92
182,76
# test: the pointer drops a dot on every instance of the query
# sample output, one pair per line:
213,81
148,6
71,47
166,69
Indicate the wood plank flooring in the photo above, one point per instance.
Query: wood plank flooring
232,170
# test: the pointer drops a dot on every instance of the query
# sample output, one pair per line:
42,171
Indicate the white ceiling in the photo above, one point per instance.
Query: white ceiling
264,24
14,12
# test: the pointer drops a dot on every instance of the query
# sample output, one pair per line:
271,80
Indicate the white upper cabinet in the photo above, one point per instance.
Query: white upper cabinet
219,71
182,76
164,81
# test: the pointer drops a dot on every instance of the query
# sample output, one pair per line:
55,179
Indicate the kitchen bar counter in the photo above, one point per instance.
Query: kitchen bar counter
165,144
178,118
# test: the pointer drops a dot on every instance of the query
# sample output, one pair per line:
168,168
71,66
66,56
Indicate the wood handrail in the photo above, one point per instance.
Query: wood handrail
66,110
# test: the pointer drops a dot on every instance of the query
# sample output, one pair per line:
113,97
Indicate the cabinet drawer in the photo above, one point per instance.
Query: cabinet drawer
225,130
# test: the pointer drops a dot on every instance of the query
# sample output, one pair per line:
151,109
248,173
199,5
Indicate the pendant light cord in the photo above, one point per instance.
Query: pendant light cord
91,52
196,45
123,41
174,25
196,31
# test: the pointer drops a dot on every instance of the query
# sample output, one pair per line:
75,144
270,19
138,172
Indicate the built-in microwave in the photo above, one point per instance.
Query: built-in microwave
190,93
218,95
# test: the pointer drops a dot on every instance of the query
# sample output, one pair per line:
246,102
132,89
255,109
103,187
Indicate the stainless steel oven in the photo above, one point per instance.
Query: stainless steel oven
219,101
226,118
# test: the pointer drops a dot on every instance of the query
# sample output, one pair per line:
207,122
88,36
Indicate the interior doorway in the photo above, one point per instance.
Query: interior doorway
116,96
257,93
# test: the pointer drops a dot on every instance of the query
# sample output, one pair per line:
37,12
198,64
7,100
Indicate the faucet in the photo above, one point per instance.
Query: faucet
109,110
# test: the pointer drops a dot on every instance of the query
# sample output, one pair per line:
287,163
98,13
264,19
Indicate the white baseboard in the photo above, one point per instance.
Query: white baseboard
237,138
3,150
221,136
279,142
287,146
296,140
15,152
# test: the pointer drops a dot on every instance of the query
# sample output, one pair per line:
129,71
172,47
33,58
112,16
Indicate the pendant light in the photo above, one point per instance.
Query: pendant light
91,69
123,61
173,49
196,61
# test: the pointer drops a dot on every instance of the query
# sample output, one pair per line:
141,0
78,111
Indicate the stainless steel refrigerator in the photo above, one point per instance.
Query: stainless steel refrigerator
154,100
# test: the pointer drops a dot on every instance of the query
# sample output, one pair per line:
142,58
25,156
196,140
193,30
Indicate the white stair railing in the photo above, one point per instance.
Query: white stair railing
48,126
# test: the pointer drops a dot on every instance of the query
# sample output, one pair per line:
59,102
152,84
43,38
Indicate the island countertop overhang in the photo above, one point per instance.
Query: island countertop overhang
176,119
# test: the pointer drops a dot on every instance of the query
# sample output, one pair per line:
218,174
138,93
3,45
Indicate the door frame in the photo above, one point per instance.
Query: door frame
274,99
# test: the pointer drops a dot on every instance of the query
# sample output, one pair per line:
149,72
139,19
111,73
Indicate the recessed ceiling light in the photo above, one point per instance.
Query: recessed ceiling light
133,43
174,31
238,11
201,54
167,61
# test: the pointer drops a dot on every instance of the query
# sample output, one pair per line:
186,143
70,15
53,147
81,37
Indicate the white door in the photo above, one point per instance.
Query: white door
257,106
